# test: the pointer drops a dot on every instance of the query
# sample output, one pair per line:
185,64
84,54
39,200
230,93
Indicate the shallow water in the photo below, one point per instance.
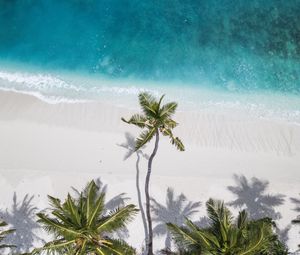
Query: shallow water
205,53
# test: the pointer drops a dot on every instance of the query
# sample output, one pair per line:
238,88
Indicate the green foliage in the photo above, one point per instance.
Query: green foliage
4,234
80,226
155,118
227,236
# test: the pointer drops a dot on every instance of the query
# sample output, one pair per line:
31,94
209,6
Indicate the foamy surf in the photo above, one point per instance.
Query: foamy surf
75,88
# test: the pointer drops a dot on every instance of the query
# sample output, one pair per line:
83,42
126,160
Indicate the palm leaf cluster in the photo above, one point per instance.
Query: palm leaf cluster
224,235
4,234
80,226
155,118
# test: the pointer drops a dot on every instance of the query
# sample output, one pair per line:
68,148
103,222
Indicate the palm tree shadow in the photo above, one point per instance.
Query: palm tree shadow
111,205
251,196
296,201
176,210
21,217
129,145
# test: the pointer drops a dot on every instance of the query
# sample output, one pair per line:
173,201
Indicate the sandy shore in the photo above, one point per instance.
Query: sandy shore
47,148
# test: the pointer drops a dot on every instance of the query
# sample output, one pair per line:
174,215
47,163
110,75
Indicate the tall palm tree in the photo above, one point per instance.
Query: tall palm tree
155,120
4,234
224,235
175,211
80,226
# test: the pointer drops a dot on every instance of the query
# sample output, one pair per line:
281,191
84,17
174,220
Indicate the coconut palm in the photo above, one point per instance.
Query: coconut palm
224,235
80,226
155,120
4,234
175,211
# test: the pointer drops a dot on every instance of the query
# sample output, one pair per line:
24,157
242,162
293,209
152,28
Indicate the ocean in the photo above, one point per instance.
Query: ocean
206,54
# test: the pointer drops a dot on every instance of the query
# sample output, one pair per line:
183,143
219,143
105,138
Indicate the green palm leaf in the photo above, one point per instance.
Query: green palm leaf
182,235
174,140
56,226
137,120
80,226
117,219
148,104
144,138
168,110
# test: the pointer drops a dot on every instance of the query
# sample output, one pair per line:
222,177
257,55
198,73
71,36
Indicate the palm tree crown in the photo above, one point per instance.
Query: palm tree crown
81,227
224,235
155,118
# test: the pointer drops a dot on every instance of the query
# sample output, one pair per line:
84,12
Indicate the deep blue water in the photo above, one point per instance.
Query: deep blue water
236,45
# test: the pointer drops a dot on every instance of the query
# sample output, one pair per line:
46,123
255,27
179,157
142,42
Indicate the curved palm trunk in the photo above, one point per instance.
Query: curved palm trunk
150,235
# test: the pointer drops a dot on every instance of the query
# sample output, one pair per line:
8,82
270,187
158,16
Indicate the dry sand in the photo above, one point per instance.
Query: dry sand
47,148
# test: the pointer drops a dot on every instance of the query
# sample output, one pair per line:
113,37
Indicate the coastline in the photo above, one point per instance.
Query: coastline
47,148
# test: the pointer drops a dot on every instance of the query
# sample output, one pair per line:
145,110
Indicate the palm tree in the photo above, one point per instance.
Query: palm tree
224,235
4,234
175,211
156,119
81,227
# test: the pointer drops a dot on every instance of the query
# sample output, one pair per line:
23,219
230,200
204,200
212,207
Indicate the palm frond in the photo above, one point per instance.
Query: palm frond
144,138
257,237
181,235
148,104
168,110
120,247
174,140
137,120
169,123
55,226
117,219
97,208
91,197
54,247
203,236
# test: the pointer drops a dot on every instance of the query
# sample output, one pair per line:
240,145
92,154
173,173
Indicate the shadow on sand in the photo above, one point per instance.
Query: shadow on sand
129,145
251,195
22,217
175,211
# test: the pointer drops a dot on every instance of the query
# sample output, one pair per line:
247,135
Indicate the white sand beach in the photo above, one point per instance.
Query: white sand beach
47,148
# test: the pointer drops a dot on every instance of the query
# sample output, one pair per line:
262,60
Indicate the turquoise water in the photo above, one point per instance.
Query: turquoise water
238,47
